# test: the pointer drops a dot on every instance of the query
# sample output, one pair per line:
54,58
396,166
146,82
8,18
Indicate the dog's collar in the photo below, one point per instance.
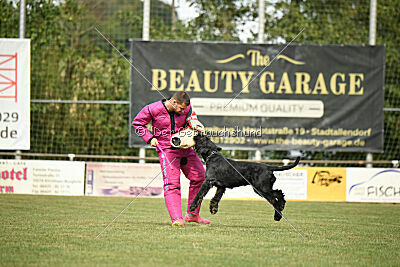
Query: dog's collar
212,153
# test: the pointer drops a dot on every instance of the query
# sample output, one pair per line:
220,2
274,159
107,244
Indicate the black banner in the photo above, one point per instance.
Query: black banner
306,97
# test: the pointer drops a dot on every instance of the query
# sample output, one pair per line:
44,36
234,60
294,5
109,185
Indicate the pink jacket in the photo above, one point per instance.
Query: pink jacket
164,123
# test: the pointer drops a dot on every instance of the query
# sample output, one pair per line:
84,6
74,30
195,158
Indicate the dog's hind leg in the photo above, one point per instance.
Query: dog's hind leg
215,200
276,199
205,187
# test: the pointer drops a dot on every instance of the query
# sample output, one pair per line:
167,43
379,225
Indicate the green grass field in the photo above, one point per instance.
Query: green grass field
51,230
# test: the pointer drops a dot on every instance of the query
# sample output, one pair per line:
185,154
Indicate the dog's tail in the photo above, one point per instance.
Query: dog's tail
284,168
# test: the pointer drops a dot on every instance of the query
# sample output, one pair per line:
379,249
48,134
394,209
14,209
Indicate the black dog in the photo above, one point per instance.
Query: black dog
224,173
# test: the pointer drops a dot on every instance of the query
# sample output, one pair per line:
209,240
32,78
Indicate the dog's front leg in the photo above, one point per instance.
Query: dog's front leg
215,200
205,187
279,204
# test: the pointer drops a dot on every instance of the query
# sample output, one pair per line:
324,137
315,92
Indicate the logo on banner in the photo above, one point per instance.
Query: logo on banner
381,186
257,59
326,184
325,178
17,175
8,76
9,175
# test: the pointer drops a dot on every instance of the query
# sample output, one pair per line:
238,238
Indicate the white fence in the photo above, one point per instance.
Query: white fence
131,179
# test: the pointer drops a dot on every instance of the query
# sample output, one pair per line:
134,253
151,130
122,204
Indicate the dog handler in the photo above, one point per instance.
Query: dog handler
168,117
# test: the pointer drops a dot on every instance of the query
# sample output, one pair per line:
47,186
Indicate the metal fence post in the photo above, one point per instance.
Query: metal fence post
22,19
372,22
261,20
261,23
21,35
142,154
372,41
145,37
146,20
258,154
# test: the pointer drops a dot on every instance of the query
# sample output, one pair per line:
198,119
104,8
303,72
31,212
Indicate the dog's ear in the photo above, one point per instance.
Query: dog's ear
201,150
219,149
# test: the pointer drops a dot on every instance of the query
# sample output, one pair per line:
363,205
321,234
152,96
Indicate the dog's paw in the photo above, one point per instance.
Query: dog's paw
277,216
213,209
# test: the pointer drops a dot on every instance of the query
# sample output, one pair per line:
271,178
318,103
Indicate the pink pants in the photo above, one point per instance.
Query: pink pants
193,170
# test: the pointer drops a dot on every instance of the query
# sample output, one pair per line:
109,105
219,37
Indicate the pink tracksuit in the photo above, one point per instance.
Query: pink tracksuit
164,124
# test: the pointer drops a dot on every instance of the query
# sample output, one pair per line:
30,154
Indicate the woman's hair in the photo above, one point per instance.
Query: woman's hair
182,98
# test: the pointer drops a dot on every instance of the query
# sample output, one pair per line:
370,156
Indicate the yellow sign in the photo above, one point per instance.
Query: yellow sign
326,184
